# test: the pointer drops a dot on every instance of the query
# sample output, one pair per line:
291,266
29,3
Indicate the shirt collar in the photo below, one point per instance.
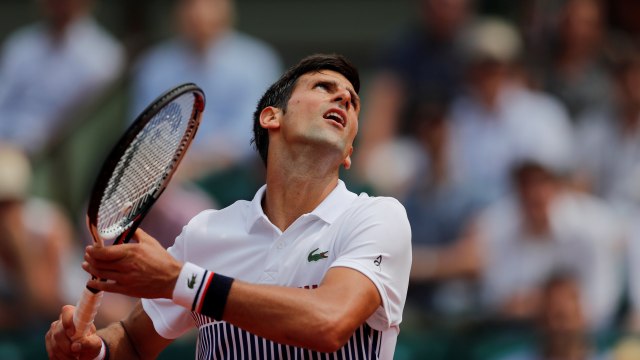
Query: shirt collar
329,209
255,209
335,204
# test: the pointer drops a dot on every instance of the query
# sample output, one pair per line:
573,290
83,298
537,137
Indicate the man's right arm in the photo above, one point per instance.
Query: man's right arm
132,338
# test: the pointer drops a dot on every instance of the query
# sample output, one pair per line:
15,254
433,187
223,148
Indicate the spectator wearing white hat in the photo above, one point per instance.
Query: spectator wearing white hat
499,120
35,239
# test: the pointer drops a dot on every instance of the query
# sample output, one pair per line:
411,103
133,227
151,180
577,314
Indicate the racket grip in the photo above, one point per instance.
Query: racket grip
85,312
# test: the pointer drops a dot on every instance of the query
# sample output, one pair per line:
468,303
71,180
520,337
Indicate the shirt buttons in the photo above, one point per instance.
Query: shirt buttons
280,245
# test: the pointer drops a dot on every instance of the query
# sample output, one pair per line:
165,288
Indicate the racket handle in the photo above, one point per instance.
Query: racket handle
85,312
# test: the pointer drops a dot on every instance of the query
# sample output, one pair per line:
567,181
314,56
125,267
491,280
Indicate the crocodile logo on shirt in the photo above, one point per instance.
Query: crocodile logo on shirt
315,257
192,281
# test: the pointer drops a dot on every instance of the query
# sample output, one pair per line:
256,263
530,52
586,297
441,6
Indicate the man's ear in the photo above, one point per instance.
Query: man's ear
270,117
347,160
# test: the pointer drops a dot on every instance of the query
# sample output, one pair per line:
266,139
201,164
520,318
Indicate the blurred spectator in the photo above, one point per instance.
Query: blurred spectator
444,260
36,244
633,263
232,68
609,143
561,325
499,121
609,161
469,150
562,321
574,68
544,228
50,68
424,64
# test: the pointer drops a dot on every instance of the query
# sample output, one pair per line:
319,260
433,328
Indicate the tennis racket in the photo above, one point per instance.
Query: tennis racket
135,174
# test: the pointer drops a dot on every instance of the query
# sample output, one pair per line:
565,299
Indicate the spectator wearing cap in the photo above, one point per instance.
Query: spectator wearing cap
36,241
470,147
499,120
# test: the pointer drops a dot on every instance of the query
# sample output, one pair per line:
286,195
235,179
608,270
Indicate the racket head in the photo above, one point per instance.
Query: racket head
128,183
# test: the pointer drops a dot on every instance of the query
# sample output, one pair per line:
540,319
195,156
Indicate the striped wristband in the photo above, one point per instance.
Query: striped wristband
202,291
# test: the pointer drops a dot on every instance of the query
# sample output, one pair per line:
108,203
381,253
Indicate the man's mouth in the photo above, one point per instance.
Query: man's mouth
337,116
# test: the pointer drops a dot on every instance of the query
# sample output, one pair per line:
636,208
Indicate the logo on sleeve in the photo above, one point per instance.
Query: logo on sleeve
378,261
315,257
192,281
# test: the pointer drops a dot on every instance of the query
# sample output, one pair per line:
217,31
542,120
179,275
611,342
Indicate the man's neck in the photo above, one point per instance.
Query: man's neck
295,188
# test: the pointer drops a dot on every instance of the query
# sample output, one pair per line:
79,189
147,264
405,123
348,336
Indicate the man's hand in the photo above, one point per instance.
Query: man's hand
142,269
59,341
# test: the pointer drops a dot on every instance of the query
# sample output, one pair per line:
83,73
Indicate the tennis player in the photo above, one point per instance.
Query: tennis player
306,267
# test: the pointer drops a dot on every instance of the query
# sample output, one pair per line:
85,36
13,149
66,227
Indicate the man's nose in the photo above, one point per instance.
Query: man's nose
343,96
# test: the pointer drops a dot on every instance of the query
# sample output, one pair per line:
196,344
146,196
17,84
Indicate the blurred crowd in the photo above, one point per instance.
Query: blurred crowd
515,146
513,142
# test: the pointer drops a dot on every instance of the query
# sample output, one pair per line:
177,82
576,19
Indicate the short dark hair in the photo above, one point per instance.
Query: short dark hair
525,170
278,94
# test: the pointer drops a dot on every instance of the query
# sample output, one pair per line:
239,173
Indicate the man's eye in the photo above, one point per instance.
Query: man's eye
323,86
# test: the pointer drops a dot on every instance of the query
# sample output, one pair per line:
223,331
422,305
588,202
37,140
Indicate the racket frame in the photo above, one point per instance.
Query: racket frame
91,298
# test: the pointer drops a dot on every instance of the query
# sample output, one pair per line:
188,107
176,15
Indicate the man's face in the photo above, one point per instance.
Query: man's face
323,109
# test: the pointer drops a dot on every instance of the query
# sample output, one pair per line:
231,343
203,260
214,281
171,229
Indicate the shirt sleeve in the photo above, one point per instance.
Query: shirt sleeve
170,320
378,244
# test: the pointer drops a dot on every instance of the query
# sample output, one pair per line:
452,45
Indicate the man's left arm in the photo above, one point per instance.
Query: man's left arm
321,319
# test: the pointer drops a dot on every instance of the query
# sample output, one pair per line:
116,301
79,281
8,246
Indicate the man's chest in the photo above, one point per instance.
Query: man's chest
297,257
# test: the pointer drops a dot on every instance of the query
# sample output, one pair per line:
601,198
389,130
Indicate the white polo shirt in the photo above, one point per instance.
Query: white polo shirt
368,234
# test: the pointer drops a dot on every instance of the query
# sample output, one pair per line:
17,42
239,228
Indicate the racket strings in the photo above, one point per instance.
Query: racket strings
146,163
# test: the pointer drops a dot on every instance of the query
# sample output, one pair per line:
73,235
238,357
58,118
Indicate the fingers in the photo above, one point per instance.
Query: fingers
66,319
108,286
140,269
108,259
58,338
107,253
98,268
87,347
59,343
119,252
107,262
57,348
141,236
114,273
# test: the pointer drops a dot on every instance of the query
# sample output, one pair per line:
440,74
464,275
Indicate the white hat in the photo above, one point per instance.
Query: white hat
15,173
492,38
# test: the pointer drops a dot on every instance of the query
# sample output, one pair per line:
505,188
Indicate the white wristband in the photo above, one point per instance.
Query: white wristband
187,291
103,351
